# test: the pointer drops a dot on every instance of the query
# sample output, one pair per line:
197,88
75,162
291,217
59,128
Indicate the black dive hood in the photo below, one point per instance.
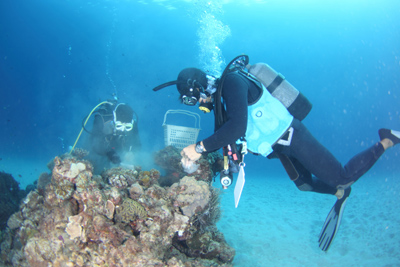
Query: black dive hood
161,86
242,59
187,79
205,107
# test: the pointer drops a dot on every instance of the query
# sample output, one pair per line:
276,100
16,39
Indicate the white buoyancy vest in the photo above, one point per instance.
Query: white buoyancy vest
268,120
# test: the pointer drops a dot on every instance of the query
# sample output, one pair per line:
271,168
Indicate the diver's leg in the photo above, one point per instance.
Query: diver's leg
305,181
302,178
320,162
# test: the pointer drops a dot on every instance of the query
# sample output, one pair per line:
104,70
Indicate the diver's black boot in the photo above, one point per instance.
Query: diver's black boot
341,200
394,136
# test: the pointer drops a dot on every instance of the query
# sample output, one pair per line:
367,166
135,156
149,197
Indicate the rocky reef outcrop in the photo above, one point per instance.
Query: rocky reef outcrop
123,217
10,197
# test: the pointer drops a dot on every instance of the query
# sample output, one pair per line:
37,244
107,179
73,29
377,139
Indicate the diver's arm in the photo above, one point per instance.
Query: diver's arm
98,142
98,125
234,93
134,142
137,144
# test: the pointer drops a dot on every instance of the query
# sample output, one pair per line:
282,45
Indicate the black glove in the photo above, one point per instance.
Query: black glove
113,157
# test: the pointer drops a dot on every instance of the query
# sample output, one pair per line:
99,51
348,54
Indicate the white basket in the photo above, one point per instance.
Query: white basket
181,136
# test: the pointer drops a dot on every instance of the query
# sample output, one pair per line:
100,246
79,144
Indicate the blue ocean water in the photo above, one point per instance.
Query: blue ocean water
59,59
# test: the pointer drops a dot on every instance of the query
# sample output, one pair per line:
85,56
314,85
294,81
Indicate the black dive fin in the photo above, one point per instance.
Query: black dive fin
332,222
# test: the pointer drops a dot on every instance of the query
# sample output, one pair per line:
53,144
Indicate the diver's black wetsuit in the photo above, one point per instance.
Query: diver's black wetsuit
108,146
103,144
308,156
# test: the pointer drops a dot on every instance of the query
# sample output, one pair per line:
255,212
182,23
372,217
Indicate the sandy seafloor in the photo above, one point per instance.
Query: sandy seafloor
277,225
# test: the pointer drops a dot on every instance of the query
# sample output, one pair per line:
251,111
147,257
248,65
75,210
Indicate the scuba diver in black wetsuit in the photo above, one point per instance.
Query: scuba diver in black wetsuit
114,133
246,110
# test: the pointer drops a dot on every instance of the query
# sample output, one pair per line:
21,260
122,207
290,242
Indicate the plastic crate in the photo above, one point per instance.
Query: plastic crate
181,136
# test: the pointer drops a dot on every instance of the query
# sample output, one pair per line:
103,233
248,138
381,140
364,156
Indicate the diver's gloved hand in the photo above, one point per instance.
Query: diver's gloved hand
113,157
188,165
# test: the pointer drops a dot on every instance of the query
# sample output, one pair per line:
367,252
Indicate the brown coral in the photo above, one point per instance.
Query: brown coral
129,211
190,195
120,177
64,189
144,178
135,191
79,153
76,172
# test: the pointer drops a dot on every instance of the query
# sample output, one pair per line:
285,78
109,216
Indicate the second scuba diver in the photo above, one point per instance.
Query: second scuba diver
114,134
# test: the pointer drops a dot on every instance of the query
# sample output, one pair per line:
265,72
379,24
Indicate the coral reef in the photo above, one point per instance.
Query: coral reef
79,153
10,197
43,180
191,196
120,177
169,159
129,211
121,218
211,214
148,178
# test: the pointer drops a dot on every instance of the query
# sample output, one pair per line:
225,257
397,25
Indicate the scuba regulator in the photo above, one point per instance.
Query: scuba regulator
207,93
230,166
206,107
225,178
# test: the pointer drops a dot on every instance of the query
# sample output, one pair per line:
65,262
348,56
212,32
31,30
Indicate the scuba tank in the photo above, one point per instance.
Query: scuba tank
294,101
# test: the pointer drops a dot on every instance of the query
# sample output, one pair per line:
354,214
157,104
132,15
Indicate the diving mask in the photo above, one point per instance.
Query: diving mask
191,96
206,106
189,100
123,126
